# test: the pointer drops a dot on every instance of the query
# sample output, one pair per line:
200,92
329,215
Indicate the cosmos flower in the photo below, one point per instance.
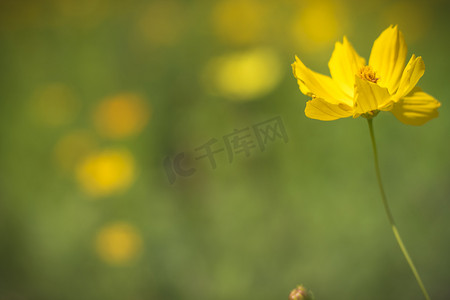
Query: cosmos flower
359,89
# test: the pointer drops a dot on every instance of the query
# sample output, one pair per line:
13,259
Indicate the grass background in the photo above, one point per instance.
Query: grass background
307,211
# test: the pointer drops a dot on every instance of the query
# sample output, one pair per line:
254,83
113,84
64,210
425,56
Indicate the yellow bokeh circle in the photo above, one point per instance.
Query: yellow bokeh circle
106,172
318,24
118,243
121,116
72,148
239,21
161,23
244,75
55,105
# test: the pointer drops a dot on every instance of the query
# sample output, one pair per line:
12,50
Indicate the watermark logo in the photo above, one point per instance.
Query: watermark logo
239,142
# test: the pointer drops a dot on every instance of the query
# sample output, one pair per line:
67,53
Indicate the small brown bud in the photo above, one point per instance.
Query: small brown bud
300,293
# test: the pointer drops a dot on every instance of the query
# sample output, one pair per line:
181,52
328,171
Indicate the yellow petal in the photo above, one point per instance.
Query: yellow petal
369,96
388,57
320,109
417,108
317,85
344,64
411,75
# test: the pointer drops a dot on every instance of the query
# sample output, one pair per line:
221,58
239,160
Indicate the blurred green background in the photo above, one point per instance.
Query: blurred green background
95,95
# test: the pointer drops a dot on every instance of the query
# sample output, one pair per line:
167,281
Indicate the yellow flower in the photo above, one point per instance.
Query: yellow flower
55,105
121,116
106,173
118,243
356,89
245,75
239,22
74,147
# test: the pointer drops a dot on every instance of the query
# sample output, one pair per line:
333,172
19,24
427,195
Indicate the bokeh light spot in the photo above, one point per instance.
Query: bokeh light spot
245,75
413,18
317,24
106,173
118,243
121,116
20,14
55,105
161,23
239,21
72,147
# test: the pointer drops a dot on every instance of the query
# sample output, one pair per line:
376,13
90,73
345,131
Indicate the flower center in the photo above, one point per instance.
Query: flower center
367,73
370,114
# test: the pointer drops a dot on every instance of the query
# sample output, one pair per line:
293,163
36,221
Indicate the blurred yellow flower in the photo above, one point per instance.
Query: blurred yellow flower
72,147
245,75
161,23
15,15
413,17
84,13
356,89
317,24
239,21
107,172
55,104
118,243
121,116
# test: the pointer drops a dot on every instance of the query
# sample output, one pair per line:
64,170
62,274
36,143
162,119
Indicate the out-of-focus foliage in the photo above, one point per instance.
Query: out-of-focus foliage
104,103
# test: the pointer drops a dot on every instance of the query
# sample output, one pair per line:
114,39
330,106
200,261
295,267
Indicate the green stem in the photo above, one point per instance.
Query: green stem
391,218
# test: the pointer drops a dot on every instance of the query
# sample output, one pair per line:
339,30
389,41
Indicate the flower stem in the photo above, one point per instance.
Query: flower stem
389,214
